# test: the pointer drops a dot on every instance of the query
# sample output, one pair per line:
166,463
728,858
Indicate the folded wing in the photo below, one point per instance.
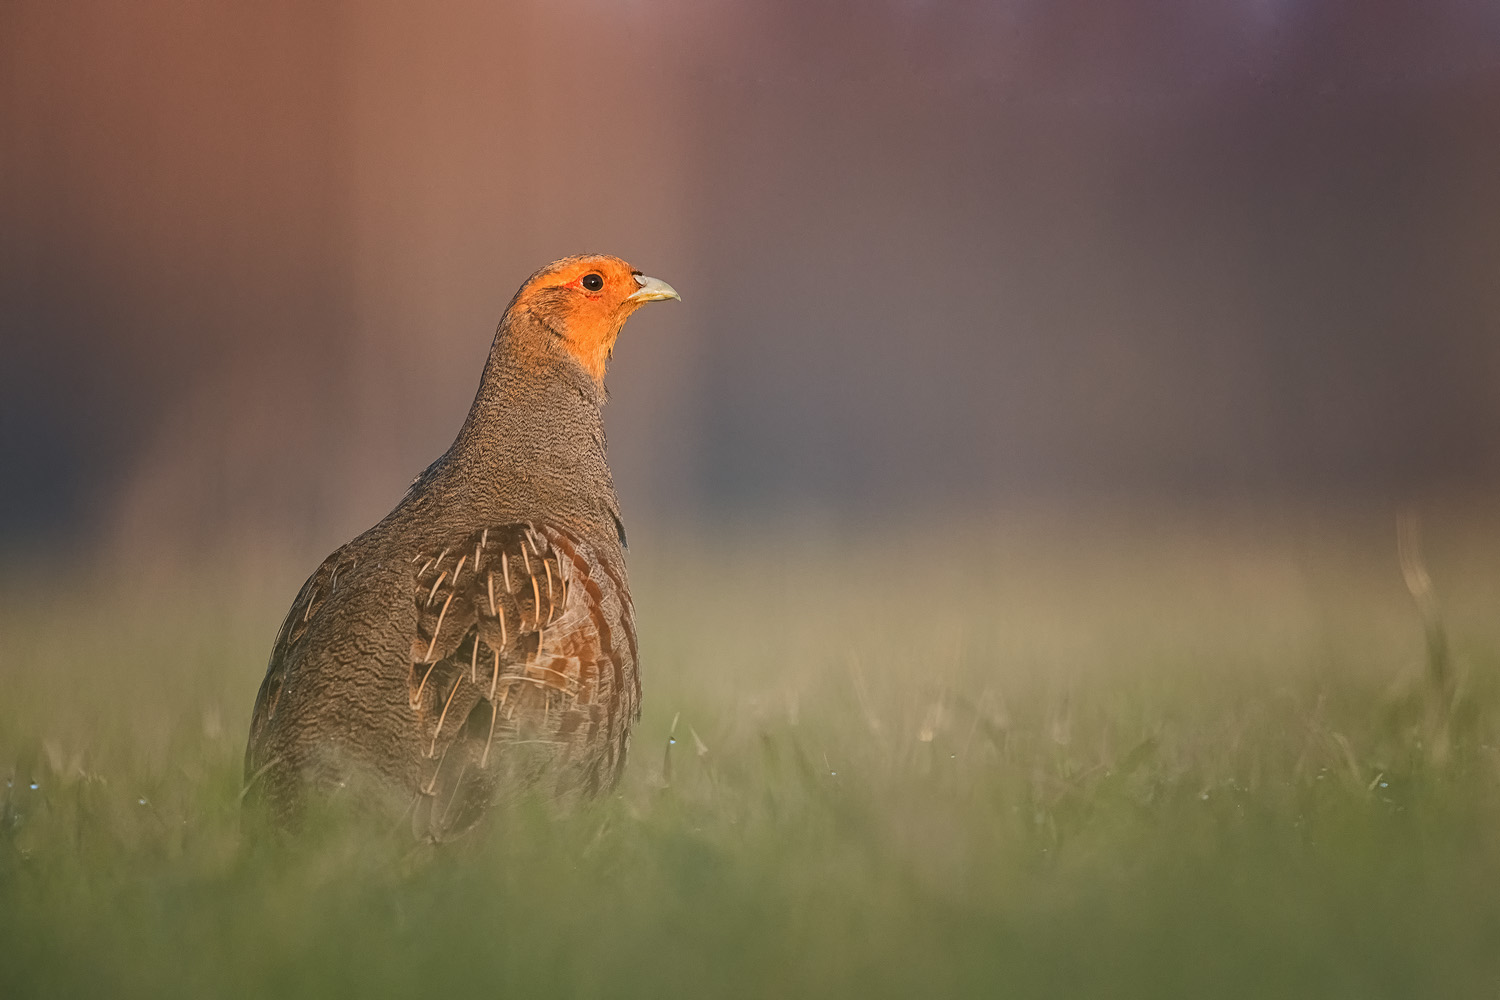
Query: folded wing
523,666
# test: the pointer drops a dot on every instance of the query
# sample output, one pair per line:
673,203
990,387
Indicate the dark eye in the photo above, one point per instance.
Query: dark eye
593,282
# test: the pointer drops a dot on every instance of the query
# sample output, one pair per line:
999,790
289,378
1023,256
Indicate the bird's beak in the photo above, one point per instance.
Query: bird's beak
652,290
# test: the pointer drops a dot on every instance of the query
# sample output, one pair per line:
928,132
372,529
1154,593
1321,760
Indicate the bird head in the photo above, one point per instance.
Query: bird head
585,300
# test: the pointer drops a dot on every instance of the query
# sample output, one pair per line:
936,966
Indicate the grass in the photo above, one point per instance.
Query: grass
1032,757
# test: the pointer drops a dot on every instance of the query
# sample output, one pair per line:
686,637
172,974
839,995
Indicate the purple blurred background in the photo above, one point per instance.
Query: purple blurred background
934,255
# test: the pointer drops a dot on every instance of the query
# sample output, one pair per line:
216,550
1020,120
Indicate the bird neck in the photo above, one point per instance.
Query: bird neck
532,446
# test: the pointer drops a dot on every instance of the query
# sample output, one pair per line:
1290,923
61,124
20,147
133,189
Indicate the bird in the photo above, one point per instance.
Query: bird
481,637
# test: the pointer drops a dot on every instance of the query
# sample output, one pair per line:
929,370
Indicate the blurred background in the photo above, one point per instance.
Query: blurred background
935,256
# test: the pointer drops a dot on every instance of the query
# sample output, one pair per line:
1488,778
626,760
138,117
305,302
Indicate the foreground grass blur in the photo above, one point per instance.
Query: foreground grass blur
1028,757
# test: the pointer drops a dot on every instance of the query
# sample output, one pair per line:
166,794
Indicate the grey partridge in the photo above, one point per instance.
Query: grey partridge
481,637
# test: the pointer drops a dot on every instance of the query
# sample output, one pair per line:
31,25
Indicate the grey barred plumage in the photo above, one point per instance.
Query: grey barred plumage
378,671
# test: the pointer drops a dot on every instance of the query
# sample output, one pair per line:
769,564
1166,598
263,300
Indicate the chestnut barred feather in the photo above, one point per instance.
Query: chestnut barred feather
525,638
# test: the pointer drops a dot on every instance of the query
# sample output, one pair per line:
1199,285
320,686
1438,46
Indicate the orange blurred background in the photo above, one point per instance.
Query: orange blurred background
933,254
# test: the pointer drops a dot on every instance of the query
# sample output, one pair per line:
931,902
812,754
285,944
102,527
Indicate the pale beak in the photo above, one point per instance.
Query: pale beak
652,290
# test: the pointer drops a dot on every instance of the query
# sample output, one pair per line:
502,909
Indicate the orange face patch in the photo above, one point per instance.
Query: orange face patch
587,300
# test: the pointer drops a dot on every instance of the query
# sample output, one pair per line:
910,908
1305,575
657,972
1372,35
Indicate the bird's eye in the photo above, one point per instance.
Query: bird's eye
593,282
